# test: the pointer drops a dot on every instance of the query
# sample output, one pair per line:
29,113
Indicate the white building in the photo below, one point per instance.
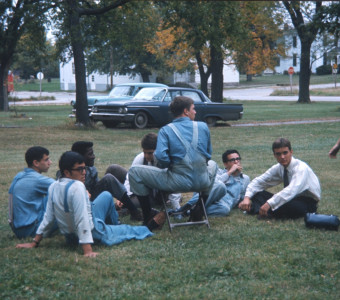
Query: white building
101,82
319,52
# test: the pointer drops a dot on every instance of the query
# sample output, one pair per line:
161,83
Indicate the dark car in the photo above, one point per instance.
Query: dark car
151,107
120,92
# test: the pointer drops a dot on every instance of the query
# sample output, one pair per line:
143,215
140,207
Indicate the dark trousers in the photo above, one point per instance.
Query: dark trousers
111,184
295,208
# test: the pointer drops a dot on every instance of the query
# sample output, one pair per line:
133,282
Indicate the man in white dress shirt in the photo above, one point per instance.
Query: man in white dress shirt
301,192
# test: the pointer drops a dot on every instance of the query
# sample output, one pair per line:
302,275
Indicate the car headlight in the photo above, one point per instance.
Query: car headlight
94,109
122,110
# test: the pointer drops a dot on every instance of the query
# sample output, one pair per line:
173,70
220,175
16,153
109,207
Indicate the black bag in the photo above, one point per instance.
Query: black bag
330,222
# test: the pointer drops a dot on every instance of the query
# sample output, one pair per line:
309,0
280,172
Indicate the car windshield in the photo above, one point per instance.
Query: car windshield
155,94
121,91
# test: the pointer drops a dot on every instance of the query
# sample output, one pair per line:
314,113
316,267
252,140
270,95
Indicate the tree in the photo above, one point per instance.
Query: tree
210,27
16,18
123,35
260,49
70,13
307,21
33,54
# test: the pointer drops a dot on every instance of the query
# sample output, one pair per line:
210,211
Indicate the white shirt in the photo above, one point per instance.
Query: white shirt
138,160
302,181
79,218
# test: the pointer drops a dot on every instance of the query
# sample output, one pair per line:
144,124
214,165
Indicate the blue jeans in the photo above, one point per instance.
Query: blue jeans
106,229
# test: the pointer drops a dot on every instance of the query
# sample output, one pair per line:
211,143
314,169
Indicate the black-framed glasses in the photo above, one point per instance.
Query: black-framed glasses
235,159
79,169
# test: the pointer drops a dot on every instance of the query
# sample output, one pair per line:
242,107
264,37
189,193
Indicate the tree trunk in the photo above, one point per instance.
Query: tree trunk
217,74
82,114
204,76
3,88
145,76
304,77
249,77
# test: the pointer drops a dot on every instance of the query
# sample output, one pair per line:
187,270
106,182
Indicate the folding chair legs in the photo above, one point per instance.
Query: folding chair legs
189,223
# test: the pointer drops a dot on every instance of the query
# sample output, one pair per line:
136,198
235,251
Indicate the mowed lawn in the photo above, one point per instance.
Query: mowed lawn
240,257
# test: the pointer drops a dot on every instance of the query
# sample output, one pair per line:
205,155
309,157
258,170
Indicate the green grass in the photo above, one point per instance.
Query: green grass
240,257
53,86
280,79
313,92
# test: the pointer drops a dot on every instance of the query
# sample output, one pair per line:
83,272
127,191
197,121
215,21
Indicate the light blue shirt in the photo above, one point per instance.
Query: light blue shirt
28,193
169,148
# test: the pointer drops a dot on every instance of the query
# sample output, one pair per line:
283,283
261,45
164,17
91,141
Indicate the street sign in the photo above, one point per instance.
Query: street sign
290,70
40,75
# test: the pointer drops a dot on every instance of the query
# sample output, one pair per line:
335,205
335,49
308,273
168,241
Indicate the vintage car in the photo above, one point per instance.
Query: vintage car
124,91
151,107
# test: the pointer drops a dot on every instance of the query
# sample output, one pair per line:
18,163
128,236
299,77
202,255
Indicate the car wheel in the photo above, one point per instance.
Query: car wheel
141,120
211,121
110,124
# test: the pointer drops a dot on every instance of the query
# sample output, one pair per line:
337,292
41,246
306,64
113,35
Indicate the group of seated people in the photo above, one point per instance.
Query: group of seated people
82,207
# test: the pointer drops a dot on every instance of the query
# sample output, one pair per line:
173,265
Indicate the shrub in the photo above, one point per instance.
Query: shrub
324,70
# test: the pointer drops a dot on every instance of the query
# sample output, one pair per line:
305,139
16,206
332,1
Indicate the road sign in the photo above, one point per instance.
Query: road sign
40,75
290,70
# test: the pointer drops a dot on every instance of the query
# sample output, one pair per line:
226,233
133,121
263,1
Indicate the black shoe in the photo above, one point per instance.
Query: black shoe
157,221
181,211
196,213
153,213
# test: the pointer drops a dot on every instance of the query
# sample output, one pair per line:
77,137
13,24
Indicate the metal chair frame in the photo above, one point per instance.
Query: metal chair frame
188,223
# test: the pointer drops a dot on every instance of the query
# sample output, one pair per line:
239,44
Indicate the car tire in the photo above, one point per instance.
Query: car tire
141,120
211,121
110,124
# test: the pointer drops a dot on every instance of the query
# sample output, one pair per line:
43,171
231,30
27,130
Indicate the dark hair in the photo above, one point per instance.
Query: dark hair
81,147
281,143
227,153
35,153
68,160
179,103
149,141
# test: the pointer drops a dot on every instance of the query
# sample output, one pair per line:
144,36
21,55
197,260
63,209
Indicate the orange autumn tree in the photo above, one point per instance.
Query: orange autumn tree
170,50
261,49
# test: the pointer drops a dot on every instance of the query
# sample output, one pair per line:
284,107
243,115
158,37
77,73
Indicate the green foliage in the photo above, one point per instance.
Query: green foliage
324,70
240,257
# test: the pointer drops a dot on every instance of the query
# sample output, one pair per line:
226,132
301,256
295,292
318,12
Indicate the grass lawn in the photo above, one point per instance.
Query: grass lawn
240,257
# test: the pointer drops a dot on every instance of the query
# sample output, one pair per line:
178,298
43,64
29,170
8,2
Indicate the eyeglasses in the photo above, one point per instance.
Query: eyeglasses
235,159
79,169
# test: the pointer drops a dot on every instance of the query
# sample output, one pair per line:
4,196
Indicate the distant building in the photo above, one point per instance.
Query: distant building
324,51
101,82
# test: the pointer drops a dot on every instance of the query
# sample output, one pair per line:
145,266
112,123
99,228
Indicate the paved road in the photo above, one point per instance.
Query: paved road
263,94
255,93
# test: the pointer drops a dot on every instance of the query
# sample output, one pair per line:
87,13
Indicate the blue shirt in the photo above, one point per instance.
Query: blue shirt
170,149
29,192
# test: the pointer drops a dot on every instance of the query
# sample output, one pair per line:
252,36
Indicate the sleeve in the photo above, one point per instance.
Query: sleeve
298,183
43,184
245,185
162,149
78,204
269,179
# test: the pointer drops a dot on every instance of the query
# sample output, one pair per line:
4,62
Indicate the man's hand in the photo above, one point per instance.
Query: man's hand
87,248
91,254
264,210
26,245
245,204
235,169
333,152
